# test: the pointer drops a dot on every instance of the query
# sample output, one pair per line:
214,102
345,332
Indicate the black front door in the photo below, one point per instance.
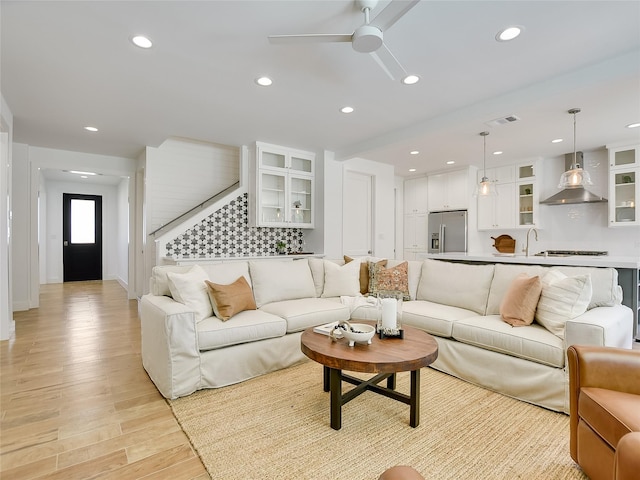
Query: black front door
82,237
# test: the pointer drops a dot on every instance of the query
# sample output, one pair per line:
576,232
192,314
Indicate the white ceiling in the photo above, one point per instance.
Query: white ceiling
65,65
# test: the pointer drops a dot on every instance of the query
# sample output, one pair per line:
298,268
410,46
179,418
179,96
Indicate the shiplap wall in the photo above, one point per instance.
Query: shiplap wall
181,174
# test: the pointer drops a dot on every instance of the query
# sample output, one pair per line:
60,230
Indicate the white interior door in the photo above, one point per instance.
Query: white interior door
357,217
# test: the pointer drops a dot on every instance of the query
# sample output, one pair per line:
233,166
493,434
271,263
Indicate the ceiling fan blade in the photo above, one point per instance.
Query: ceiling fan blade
389,63
311,38
392,13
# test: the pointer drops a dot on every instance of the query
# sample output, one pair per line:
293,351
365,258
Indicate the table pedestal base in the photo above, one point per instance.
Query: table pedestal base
332,383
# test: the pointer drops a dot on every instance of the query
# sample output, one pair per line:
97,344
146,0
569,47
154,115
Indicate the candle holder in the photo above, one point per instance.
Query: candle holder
390,315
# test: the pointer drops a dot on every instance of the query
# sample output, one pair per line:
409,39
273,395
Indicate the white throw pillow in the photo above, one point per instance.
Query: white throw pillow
562,299
189,288
277,280
341,280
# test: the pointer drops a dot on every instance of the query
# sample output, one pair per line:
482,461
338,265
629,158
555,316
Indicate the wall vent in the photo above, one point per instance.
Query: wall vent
503,120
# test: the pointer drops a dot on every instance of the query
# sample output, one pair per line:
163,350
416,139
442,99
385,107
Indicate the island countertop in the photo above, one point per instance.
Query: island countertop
572,260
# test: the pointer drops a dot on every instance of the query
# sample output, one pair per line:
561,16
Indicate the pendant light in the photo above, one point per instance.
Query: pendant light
485,187
576,176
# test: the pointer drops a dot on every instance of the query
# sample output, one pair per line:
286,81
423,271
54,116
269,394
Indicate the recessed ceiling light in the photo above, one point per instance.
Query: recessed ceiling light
83,176
264,81
497,152
451,162
91,129
508,33
411,79
79,172
142,41
556,140
412,169
414,152
633,125
346,109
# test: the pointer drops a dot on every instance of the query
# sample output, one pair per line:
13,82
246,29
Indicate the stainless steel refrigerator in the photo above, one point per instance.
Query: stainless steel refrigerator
447,231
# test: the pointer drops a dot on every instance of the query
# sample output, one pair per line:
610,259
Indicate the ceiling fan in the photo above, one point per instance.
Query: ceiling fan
368,38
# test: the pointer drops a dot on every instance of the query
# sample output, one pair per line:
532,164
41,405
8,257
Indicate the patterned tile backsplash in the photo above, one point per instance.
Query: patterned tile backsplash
226,233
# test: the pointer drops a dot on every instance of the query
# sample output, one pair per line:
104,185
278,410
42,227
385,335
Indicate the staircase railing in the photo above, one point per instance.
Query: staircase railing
188,213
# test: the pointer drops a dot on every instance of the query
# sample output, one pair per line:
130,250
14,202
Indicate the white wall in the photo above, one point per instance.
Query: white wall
122,233
7,325
384,183
21,227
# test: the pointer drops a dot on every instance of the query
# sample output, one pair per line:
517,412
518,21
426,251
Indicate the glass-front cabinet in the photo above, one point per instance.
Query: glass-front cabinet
284,187
527,200
624,189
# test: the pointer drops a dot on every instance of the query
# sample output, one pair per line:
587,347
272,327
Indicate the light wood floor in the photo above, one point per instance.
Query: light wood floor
75,401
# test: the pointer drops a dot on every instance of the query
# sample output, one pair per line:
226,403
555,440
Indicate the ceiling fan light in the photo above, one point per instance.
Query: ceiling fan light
410,80
366,39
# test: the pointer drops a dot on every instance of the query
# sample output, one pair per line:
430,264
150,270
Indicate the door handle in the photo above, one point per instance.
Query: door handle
65,243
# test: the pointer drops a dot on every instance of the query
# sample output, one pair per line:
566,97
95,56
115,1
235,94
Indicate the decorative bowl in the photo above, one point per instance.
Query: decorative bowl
354,332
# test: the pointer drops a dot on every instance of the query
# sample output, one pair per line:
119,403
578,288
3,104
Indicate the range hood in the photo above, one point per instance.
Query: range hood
573,195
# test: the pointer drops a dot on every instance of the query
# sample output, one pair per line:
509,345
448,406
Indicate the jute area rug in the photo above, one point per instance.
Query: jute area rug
277,427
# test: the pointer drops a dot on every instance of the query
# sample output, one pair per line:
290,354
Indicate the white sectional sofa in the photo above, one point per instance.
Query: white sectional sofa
185,347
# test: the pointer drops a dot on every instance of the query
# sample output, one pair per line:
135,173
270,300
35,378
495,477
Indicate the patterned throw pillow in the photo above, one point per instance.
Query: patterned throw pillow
364,271
389,280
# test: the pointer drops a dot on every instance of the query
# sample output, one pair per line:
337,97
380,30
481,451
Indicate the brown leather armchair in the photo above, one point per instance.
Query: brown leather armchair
604,396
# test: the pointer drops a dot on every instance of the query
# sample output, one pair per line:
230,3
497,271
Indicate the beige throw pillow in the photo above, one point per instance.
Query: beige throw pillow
518,307
229,300
364,271
341,280
189,288
562,299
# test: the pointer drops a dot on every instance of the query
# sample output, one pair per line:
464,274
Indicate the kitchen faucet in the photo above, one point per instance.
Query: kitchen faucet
526,248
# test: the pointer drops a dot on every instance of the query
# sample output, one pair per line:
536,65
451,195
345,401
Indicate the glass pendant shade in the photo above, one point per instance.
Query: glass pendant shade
576,176
486,187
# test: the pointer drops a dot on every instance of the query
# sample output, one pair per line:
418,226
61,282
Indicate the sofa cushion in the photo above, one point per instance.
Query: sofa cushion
189,289
562,299
532,342
228,300
434,318
308,312
503,277
275,280
247,326
389,280
456,284
604,283
518,305
341,279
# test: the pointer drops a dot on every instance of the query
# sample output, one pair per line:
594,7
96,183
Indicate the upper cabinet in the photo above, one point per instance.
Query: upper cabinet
282,187
624,185
448,191
415,195
516,205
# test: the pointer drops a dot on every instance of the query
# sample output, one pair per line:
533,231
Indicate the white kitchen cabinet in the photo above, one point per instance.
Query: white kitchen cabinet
448,191
415,195
624,186
282,187
497,211
415,231
504,174
527,194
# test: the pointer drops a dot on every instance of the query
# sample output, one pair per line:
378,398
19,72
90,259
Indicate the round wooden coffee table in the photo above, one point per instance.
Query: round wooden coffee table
385,357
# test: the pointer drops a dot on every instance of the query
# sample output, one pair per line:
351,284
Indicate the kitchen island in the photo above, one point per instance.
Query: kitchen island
628,268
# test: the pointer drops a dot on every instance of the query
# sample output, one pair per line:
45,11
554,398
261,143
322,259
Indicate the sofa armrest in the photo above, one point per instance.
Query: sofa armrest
170,352
603,326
